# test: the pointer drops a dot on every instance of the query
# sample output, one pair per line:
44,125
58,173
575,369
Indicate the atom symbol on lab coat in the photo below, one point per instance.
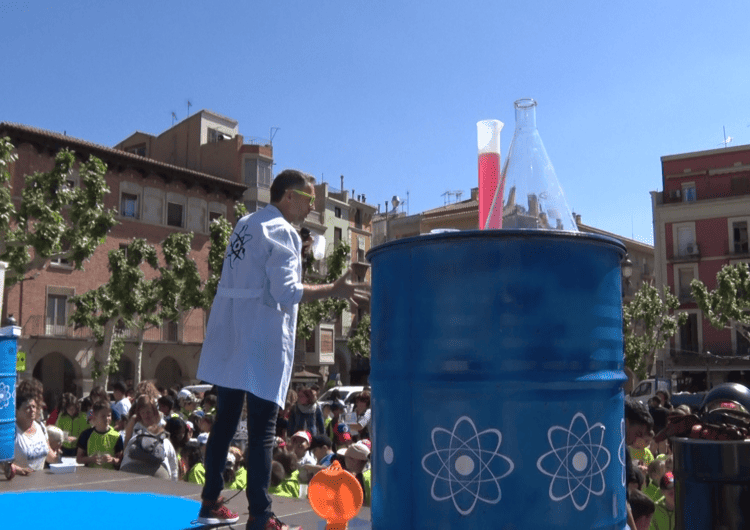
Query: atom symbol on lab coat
236,248
576,462
466,465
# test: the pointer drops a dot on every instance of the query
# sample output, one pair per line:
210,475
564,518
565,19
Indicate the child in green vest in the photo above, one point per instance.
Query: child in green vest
664,516
193,457
72,421
284,475
100,446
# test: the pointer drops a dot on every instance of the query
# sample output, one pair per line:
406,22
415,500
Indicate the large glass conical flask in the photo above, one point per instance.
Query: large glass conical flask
529,195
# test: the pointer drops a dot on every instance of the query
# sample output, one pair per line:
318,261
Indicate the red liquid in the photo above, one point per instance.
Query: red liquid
489,180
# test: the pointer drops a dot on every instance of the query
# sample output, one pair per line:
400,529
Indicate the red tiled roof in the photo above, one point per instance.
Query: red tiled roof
26,131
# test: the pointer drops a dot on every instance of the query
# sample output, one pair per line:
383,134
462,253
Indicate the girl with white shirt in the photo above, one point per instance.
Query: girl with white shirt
148,419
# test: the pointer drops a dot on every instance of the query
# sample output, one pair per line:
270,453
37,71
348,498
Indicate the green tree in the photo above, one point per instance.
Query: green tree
53,219
127,301
359,342
727,306
130,302
649,320
310,314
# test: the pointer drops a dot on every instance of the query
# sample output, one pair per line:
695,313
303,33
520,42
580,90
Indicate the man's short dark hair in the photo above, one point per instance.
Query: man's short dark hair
640,504
637,413
289,179
120,386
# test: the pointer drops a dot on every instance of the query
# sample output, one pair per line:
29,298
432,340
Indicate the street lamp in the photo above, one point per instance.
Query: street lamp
627,269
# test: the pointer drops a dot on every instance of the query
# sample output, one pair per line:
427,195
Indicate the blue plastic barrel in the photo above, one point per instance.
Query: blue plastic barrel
497,372
8,352
712,483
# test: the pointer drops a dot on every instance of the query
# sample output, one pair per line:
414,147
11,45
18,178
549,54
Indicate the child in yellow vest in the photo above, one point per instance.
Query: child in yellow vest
100,446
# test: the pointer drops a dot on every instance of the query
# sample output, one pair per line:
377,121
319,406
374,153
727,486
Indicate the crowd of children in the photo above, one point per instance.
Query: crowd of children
163,433
651,479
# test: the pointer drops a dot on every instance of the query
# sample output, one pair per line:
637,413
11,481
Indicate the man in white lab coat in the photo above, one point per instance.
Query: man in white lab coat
248,351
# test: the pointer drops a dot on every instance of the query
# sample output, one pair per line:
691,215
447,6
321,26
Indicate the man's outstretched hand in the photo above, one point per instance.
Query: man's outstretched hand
357,292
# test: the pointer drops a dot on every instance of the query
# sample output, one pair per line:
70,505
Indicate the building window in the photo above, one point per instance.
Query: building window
336,237
686,241
153,205
739,186
72,179
264,174
169,331
56,322
139,150
337,212
215,135
196,214
689,335
739,237
688,192
174,214
129,205
61,262
215,210
684,277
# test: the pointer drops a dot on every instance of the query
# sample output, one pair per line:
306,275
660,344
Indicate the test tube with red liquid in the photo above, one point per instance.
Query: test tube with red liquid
490,186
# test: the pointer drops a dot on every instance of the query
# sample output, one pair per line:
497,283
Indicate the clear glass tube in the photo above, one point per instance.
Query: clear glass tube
488,147
531,196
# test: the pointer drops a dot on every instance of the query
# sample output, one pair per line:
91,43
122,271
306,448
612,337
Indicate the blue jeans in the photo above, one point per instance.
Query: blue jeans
261,432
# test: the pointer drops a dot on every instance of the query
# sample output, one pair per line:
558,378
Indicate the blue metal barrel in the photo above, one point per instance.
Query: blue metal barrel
712,483
8,352
497,368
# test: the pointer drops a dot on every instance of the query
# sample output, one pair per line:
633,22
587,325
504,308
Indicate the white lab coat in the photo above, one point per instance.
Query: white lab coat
249,343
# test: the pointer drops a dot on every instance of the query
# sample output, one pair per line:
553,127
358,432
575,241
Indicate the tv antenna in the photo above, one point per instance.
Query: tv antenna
727,139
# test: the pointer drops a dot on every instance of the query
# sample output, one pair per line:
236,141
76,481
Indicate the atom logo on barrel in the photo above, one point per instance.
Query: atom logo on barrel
576,462
6,395
466,465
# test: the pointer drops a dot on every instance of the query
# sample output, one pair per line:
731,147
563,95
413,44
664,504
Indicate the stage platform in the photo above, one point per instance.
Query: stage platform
25,503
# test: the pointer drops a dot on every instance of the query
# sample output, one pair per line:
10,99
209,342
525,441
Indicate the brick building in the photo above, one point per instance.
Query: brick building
701,224
210,143
153,199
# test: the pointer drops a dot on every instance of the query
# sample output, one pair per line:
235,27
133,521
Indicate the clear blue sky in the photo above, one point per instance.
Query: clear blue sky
388,92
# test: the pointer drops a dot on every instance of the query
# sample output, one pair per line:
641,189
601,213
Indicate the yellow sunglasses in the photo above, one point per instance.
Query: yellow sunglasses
312,197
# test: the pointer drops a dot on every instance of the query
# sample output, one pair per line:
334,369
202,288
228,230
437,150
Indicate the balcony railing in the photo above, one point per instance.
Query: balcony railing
40,326
689,252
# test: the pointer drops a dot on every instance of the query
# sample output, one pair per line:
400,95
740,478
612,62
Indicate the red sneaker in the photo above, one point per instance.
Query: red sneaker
214,512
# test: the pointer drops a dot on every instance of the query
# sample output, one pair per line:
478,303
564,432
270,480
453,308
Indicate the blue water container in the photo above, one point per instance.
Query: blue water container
497,372
712,483
8,353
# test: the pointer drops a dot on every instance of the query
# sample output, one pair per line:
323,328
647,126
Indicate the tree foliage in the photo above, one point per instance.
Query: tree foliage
313,313
128,300
727,306
649,320
359,342
53,219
